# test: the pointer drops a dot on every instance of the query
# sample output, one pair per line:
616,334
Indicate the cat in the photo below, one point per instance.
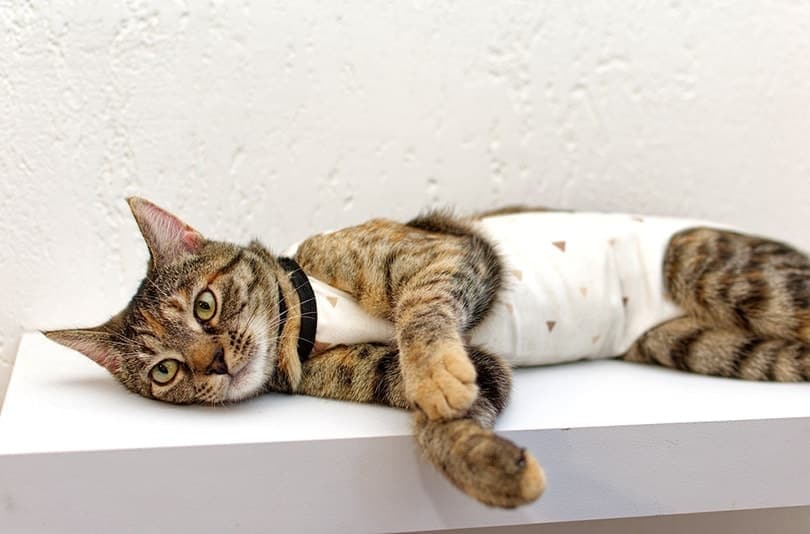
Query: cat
216,322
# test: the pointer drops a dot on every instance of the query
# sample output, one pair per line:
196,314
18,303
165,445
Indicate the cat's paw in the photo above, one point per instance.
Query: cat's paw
507,477
482,464
443,387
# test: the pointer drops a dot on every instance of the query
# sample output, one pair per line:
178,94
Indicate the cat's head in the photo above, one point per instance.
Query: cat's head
203,326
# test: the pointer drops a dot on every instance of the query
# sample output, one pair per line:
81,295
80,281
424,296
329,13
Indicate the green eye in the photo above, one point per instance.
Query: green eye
205,306
164,372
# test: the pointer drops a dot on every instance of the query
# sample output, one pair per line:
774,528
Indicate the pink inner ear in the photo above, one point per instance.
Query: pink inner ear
191,239
166,235
88,343
96,351
111,363
169,229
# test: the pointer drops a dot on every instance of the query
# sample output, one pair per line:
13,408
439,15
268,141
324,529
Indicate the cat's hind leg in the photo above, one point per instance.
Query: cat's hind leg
734,280
688,344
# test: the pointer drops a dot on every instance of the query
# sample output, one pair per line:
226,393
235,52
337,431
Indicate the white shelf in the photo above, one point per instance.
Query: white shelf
79,453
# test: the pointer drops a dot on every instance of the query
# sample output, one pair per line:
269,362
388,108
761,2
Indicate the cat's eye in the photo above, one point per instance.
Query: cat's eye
165,371
205,306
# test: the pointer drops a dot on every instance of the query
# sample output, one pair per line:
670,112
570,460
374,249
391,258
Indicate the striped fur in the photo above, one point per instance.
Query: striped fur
691,345
746,300
747,304
435,278
490,468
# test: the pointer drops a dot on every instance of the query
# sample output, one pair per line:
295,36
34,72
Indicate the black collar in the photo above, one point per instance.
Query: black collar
309,310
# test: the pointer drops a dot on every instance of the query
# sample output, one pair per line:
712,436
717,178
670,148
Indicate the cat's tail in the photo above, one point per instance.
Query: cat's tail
476,460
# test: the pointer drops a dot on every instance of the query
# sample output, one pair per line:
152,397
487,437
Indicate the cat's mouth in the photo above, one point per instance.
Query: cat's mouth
247,381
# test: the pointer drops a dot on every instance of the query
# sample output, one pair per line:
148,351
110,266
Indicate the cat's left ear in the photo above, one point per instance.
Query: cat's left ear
98,344
167,237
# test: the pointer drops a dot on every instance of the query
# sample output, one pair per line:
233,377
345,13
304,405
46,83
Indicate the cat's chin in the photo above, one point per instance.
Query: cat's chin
248,381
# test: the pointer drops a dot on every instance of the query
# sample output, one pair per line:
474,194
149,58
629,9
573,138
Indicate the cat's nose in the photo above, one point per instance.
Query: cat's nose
217,365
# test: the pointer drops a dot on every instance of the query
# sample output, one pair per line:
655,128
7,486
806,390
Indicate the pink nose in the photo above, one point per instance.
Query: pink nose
217,365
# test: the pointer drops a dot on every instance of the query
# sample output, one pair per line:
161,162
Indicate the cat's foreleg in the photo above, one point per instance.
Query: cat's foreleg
372,373
366,372
475,459
480,463
435,278
483,465
438,375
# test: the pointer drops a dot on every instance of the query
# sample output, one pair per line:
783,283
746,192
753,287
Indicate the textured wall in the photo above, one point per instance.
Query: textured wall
279,118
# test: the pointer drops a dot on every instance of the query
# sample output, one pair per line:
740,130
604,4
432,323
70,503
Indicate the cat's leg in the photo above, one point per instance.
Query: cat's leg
372,373
439,378
448,296
747,305
689,344
483,465
435,278
729,279
366,372
480,463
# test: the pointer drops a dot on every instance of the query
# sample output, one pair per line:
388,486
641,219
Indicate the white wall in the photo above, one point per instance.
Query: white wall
279,118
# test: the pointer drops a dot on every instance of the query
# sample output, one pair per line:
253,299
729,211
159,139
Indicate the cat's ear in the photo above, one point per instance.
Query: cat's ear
98,344
167,237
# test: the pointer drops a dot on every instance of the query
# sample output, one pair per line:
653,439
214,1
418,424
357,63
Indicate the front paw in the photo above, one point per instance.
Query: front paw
480,463
443,386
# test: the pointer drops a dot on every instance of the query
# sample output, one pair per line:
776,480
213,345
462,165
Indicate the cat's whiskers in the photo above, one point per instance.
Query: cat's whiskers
301,315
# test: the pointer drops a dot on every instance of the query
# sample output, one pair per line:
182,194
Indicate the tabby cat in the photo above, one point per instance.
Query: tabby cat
443,306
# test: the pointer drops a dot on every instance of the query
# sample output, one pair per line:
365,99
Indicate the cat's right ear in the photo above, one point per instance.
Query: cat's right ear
167,237
98,344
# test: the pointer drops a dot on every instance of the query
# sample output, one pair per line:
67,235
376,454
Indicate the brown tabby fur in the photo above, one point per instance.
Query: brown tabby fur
747,303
